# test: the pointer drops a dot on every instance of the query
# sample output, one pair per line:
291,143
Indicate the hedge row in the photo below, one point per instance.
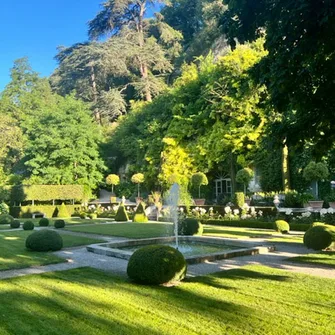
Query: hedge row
253,224
49,210
22,193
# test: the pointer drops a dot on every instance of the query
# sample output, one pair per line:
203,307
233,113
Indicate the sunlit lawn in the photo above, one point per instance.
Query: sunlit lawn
13,253
147,230
72,221
251,300
326,258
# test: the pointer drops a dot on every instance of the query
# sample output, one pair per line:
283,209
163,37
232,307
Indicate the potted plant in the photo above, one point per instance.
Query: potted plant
138,178
314,172
244,176
199,179
331,199
113,180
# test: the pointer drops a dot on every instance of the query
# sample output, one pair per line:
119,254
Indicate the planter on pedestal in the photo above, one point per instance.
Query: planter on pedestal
199,202
316,204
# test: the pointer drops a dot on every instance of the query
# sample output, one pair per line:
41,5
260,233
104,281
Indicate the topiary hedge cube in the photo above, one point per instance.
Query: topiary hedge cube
157,264
190,227
44,240
140,215
28,225
121,214
282,226
59,224
319,237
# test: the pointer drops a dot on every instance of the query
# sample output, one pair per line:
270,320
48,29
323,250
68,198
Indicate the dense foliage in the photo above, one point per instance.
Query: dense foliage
156,264
190,227
44,240
319,237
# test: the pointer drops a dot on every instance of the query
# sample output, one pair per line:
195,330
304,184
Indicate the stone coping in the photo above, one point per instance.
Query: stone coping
243,248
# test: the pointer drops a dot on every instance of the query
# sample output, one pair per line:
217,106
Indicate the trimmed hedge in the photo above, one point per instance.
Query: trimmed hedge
190,227
319,237
281,226
28,225
44,222
49,210
15,224
253,224
93,216
157,264
59,224
140,215
62,211
44,240
6,219
239,199
47,192
121,214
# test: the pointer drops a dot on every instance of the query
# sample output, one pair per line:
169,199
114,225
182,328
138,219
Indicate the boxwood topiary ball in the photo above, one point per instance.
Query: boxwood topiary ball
190,227
282,226
319,237
44,240
6,219
15,224
59,224
28,225
156,264
44,222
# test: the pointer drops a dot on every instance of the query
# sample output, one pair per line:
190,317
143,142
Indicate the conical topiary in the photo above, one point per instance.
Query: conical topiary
62,211
140,215
121,214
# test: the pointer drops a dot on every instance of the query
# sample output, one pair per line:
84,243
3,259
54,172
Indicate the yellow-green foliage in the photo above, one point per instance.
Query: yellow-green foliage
282,226
49,210
140,215
62,211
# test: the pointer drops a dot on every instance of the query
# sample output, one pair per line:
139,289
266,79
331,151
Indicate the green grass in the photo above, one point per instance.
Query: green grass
14,255
245,233
70,221
253,300
325,258
129,230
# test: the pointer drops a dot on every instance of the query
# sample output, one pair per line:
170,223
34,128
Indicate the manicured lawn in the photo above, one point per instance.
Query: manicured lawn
245,233
13,254
326,258
71,221
129,230
251,300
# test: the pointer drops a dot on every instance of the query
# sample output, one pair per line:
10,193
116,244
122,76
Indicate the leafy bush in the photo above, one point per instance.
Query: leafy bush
282,226
44,222
319,237
156,264
190,226
239,199
49,210
244,176
140,215
314,224
4,208
93,216
62,211
15,224
6,219
121,214
44,240
329,218
59,223
28,225
82,215
199,179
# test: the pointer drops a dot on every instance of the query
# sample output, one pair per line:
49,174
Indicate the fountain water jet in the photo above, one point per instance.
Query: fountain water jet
172,200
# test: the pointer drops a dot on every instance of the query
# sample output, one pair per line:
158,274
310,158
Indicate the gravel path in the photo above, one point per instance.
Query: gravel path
79,257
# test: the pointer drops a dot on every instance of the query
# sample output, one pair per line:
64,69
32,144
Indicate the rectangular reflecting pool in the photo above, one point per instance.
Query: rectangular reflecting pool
196,249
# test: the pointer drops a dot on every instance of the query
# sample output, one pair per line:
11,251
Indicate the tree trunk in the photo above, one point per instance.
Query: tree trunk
97,115
285,167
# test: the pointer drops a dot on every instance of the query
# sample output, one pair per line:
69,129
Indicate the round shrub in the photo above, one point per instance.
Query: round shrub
44,222
82,215
15,224
314,224
93,216
28,225
44,240
6,219
282,226
319,237
190,226
156,264
59,224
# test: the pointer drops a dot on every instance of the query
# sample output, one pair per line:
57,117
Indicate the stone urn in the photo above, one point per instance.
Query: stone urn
315,204
199,202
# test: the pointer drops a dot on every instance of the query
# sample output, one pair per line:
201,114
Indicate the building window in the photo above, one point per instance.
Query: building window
223,187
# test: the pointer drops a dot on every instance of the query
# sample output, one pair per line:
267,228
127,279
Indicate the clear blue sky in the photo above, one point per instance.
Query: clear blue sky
34,28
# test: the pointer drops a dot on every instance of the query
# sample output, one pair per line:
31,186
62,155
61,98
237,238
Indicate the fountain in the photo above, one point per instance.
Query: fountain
172,200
